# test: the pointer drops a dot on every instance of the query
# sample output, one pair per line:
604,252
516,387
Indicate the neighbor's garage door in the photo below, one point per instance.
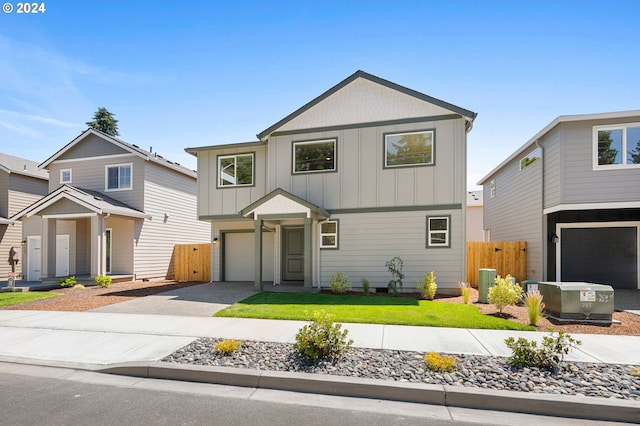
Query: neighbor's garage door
239,254
600,255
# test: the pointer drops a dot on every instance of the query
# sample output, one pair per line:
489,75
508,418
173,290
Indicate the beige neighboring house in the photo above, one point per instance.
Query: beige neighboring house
112,208
367,171
21,183
475,231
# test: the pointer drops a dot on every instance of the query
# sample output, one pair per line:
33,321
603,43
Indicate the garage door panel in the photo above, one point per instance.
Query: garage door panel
600,255
239,255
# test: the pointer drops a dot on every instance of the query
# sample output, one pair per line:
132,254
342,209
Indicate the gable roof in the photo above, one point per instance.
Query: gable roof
91,200
293,202
558,120
22,166
469,115
4,221
134,149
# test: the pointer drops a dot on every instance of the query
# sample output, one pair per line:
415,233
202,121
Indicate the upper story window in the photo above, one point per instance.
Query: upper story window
235,170
409,149
65,176
530,159
616,146
118,177
329,234
314,156
492,188
438,231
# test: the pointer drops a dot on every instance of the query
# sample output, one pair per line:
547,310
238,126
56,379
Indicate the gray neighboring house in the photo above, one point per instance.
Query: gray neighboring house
366,171
573,193
111,208
21,183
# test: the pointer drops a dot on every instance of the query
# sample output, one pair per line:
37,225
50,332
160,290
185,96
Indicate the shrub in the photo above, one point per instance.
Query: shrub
394,266
67,282
550,355
339,283
465,290
103,281
322,338
227,347
504,293
78,286
439,363
635,372
428,286
365,286
534,304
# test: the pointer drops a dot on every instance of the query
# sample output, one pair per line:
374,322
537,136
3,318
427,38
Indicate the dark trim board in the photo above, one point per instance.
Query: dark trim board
383,209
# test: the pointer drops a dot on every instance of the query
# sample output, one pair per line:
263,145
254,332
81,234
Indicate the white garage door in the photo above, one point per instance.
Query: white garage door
239,254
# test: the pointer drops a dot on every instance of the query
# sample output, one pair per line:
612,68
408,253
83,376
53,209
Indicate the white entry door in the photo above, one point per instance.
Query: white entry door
34,258
62,255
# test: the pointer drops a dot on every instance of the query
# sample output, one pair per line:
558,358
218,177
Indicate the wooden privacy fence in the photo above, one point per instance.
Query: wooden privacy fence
191,262
506,257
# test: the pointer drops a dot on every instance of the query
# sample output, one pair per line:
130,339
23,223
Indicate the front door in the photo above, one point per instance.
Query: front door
293,254
62,255
34,258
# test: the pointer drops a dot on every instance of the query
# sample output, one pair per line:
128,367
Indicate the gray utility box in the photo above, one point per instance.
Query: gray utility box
577,301
486,280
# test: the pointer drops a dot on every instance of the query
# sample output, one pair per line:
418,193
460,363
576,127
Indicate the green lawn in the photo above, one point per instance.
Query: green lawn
7,299
367,309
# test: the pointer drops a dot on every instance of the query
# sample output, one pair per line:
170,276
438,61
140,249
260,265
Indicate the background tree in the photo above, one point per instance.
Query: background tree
606,154
635,154
103,120
410,149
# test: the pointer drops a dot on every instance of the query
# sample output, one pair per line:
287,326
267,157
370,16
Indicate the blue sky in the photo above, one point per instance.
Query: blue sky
192,73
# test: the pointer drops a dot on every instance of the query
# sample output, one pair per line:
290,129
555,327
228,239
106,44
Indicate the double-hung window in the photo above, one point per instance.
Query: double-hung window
409,149
235,170
65,176
438,231
314,156
616,146
329,234
119,177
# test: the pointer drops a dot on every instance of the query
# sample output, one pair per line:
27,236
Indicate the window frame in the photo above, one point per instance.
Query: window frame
492,188
535,154
309,142
625,149
410,132
62,172
429,232
119,188
240,154
335,246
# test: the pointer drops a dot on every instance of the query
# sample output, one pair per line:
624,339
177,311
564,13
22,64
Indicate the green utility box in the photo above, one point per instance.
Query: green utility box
577,300
486,280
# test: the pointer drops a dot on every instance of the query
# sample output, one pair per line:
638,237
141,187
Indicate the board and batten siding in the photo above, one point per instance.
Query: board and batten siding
515,213
368,240
170,199
361,181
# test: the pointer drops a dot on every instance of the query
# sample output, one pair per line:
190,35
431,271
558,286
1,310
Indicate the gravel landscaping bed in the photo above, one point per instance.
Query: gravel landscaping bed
587,379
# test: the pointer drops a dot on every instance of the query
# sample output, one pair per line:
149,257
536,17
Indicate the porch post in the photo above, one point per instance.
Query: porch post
308,253
258,285
97,246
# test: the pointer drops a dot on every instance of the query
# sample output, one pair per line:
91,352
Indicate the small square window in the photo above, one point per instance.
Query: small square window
65,176
314,156
118,177
438,231
329,234
235,170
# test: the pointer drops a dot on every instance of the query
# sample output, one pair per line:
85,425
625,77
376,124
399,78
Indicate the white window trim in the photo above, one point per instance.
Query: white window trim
328,234
293,156
235,156
536,153
447,242
433,145
62,171
106,177
625,152
492,188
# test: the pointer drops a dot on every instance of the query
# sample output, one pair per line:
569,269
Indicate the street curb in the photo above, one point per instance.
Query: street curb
592,408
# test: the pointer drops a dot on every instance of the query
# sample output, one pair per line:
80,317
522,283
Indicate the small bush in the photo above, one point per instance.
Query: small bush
227,347
365,286
504,293
465,290
67,282
534,304
439,363
102,281
322,338
635,372
394,266
78,286
428,286
550,355
339,283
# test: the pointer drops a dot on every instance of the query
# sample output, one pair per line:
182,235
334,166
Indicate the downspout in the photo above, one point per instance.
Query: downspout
545,243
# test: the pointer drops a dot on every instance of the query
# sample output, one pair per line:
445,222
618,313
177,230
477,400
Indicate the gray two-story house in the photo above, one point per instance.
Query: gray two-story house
112,208
21,183
573,193
367,171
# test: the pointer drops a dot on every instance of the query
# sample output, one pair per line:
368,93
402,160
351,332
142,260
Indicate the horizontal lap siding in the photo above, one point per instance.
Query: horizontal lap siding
368,240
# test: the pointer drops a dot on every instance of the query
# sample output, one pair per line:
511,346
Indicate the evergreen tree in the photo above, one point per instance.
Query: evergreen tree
103,120
635,154
606,154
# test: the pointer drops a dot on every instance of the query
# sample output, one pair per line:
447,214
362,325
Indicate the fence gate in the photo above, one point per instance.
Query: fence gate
506,257
191,262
